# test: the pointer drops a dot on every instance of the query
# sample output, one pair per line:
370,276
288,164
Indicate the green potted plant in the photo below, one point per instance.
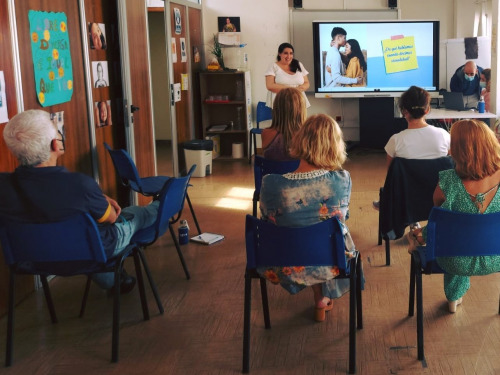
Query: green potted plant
216,50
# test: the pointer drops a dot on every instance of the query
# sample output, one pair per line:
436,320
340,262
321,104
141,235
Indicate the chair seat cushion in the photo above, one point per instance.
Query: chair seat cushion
150,185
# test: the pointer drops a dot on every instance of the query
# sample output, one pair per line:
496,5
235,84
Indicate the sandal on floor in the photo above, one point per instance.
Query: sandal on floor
320,312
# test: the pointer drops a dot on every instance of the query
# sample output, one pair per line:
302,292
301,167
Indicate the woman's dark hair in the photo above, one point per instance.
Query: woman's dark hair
294,65
356,52
415,101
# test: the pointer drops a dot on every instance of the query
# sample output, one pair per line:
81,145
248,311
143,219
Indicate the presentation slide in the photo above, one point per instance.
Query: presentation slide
397,55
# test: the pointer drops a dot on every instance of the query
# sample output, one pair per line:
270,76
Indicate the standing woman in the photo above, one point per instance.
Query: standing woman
356,64
289,113
286,72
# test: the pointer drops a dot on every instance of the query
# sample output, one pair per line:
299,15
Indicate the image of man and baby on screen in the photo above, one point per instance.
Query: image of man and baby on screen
375,56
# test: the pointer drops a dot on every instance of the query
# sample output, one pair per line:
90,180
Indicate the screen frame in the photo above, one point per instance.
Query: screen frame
375,91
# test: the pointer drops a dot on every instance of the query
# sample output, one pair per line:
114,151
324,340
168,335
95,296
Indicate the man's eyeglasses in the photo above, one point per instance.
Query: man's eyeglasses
61,140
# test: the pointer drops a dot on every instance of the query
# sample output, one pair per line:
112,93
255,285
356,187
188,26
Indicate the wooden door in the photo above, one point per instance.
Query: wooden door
141,120
179,33
7,161
102,14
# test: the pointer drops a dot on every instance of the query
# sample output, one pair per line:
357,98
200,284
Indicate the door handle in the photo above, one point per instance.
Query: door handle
133,108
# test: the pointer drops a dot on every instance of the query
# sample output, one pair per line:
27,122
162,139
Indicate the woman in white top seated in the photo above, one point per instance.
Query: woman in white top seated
286,72
420,140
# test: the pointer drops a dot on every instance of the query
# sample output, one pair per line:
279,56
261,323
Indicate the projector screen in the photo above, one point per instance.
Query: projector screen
398,54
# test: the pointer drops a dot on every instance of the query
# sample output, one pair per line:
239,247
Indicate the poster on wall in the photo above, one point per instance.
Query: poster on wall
4,116
177,21
183,50
103,113
58,120
100,74
97,35
174,50
51,57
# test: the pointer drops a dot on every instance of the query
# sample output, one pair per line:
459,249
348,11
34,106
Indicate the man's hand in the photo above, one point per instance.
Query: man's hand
359,80
114,204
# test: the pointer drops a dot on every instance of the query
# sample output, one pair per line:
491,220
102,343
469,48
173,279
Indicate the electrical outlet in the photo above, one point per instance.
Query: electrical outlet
338,118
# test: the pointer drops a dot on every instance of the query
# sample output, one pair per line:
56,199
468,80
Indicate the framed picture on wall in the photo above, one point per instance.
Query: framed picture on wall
229,24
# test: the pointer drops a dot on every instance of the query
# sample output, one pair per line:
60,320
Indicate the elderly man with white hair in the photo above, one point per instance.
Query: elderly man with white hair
40,190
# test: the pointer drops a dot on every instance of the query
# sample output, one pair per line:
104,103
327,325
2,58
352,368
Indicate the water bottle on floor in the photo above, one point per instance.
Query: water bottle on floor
183,232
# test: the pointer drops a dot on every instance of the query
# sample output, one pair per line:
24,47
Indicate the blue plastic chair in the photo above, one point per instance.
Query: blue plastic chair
65,248
147,186
263,166
171,205
264,113
449,234
268,245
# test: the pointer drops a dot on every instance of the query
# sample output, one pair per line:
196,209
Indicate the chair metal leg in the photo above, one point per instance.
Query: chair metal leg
85,296
411,302
255,199
352,320
254,136
192,213
420,317
246,323
48,298
250,149
10,321
140,284
387,252
179,252
359,302
265,303
115,336
150,279
379,217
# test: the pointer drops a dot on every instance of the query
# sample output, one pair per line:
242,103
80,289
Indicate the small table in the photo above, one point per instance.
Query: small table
441,113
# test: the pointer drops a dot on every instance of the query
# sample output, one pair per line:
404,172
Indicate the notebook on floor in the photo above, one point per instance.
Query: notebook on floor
208,238
455,101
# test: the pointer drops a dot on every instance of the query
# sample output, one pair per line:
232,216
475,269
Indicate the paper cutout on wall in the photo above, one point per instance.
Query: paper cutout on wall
51,57
4,116
399,54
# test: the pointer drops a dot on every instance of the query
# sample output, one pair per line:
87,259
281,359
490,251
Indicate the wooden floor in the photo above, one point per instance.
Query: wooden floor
201,330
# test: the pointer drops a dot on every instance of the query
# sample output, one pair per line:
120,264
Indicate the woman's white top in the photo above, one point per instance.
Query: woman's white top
428,142
283,78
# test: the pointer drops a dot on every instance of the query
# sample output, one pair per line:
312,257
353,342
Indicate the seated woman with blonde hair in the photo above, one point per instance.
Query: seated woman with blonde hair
317,190
289,113
471,187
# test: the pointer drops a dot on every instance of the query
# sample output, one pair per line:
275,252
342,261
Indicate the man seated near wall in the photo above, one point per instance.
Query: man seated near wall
466,80
40,190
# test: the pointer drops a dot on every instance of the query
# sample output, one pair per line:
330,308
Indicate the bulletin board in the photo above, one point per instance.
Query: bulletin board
301,33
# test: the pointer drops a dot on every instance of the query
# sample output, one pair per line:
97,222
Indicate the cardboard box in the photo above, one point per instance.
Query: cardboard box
216,140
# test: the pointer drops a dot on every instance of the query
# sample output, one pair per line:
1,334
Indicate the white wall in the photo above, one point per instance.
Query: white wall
265,24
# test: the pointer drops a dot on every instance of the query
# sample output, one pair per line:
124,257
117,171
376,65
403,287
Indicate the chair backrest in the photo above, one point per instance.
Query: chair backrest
264,113
408,190
125,167
263,166
66,247
172,201
451,233
319,244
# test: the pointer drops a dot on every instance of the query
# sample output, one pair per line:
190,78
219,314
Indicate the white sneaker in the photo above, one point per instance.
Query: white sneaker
452,305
